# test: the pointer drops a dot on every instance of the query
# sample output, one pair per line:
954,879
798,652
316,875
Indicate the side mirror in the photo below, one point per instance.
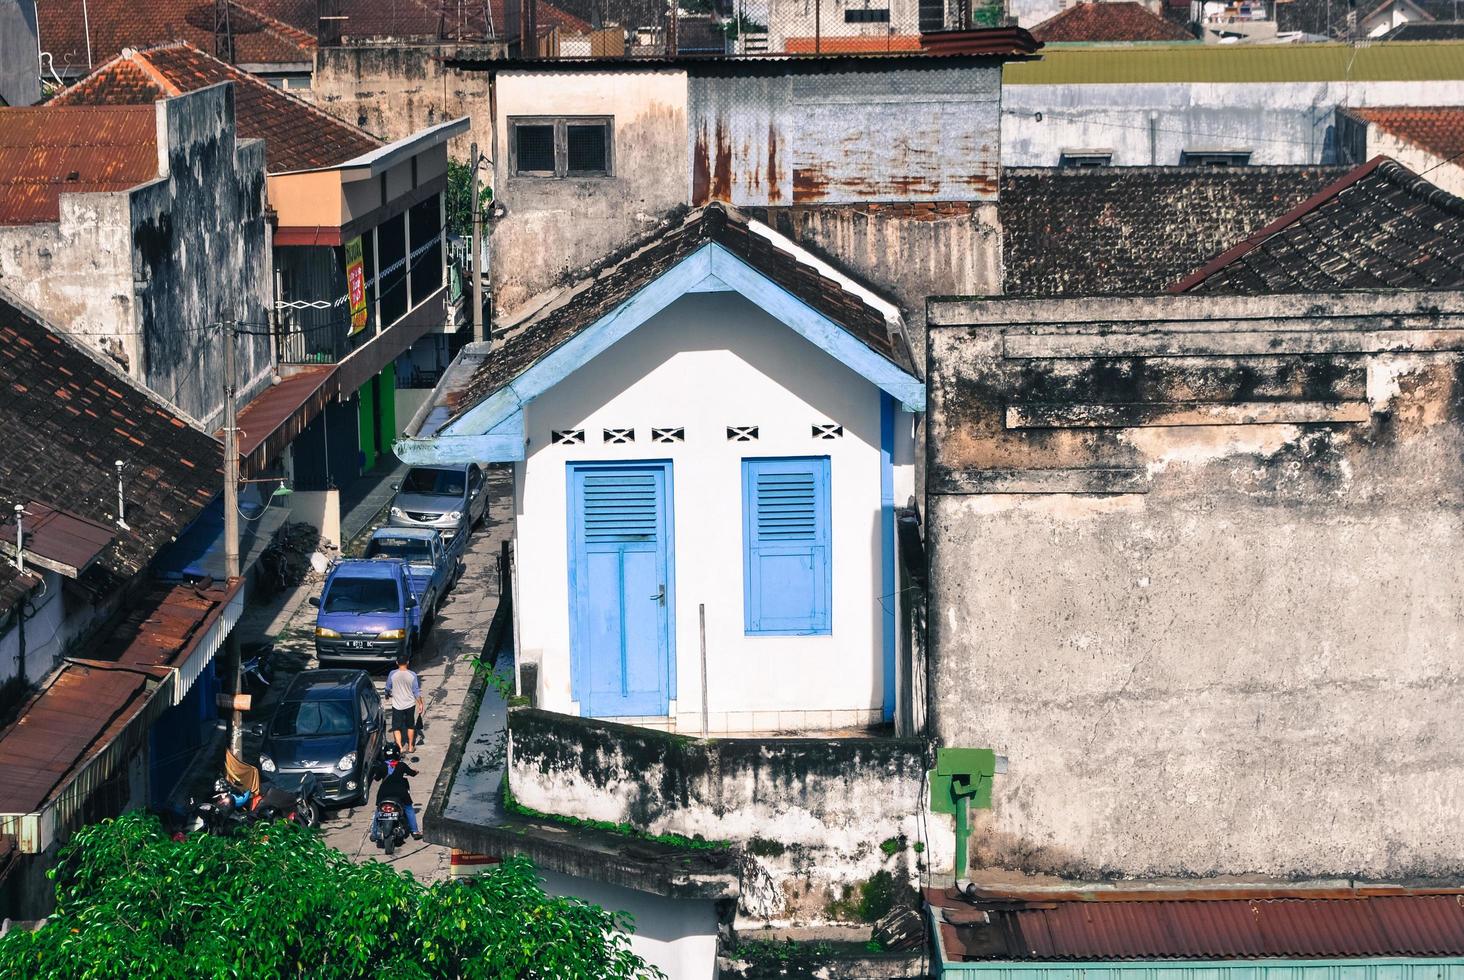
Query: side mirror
257,729
396,486
315,601
411,601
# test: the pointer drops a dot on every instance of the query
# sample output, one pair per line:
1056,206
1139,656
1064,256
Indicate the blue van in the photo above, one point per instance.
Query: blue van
367,612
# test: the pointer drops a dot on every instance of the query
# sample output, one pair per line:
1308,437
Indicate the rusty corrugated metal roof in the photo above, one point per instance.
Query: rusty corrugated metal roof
88,701
46,151
56,539
1300,924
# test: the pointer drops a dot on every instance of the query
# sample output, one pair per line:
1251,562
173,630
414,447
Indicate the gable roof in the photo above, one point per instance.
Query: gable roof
297,136
712,246
1380,227
1113,230
1108,20
1178,925
1437,129
47,151
66,417
112,25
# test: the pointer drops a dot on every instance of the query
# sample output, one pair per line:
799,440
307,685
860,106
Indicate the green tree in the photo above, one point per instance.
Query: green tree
279,902
458,197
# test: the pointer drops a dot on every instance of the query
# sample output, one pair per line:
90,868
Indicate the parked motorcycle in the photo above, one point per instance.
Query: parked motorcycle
391,826
257,667
299,806
223,813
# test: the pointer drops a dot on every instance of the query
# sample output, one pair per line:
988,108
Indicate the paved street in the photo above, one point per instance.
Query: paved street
445,666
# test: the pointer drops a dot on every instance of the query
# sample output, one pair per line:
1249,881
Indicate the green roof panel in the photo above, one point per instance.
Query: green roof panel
1397,61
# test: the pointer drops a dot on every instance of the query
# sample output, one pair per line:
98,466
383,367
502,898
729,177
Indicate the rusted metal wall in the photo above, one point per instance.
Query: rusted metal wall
845,136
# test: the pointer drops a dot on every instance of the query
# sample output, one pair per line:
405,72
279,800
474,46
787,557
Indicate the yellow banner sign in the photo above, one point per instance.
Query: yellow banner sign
356,284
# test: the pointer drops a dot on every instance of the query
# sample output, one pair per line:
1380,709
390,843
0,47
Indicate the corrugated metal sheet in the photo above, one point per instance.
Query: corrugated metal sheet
1379,61
56,539
842,137
280,413
47,151
1298,926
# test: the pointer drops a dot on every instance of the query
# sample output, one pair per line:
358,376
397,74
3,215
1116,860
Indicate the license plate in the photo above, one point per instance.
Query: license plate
358,644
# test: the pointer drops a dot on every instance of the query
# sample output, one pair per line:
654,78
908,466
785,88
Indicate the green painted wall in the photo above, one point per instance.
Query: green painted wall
367,426
386,397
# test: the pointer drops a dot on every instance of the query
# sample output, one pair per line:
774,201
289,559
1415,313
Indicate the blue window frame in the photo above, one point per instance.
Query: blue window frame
787,562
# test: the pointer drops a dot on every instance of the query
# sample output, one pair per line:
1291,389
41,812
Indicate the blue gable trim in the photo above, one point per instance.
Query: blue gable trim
887,547
486,431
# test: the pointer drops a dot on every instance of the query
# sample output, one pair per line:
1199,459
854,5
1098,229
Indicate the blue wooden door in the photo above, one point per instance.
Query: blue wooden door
620,589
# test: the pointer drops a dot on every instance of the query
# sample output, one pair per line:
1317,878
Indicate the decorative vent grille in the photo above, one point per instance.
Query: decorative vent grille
620,506
567,437
618,436
828,430
741,433
668,435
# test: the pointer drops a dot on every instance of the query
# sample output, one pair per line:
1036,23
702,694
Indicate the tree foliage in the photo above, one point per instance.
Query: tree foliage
279,902
458,197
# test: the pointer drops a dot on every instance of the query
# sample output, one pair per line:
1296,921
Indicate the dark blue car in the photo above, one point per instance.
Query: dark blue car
329,723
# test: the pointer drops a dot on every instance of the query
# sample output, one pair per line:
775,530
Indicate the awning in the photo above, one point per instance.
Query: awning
199,551
275,416
55,539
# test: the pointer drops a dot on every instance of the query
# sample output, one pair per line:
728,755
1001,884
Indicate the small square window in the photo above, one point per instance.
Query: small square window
587,148
828,430
534,148
867,15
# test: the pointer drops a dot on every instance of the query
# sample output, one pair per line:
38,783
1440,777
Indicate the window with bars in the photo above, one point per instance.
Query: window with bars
562,146
788,564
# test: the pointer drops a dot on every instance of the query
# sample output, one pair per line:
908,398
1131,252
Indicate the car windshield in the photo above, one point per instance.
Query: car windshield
439,483
300,718
408,549
361,595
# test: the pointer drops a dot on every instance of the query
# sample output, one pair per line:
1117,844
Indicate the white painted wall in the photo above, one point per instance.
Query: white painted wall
1280,123
708,361
1434,168
46,632
677,935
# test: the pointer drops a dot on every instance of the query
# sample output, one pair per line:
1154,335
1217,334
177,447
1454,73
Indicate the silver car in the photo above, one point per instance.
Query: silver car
447,498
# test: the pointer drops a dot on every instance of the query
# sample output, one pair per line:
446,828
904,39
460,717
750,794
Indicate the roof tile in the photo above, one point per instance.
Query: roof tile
1437,129
46,151
1108,21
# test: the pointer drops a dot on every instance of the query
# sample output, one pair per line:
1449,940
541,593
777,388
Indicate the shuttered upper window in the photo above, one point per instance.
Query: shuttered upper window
788,562
620,507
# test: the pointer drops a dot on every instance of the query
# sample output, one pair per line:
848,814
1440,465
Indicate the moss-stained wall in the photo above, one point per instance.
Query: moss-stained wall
809,814
1194,571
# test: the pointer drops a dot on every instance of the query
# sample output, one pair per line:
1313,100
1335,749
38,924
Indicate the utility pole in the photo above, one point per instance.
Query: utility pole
477,248
231,522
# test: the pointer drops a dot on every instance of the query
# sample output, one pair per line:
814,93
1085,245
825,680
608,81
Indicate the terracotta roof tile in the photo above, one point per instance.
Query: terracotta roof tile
116,24
1116,230
65,417
297,136
412,19
46,151
1437,129
1108,21
1379,227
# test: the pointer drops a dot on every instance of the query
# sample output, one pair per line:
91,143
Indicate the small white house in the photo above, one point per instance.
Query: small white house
710,433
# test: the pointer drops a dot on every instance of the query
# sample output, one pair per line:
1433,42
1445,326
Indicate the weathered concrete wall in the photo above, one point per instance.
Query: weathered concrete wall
393,91
907,251
844,136
20,73
78,272
145,275
201,256
1279,122
554,225
811,814
1193,571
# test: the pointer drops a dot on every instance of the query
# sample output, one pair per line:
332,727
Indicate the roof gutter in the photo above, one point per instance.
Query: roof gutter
377,162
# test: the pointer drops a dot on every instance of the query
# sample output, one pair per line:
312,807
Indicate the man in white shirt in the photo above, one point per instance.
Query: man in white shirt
405,692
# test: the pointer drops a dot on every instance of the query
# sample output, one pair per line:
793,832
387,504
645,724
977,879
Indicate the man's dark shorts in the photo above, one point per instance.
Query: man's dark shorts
402,718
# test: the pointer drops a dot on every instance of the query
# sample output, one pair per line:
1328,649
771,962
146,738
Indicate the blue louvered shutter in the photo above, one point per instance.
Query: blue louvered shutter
788,566
620,507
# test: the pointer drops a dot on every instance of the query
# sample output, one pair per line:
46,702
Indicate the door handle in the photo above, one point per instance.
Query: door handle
660,596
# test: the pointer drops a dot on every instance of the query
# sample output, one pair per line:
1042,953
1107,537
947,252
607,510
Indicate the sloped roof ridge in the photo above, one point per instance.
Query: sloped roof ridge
1385,167
244,76
142,390
288,31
